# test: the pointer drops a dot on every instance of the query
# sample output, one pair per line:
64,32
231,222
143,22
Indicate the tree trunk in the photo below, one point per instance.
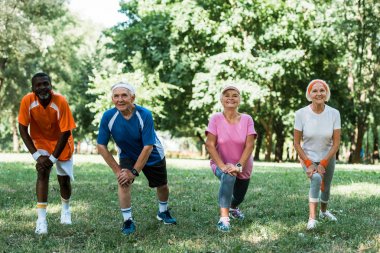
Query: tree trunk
280,140
16,144
258,145
375,154
268,143
359,134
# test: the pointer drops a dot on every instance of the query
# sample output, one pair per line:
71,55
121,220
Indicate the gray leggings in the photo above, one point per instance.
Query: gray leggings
232,190
315,184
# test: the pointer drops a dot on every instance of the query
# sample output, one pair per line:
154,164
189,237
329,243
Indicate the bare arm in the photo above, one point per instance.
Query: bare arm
143,158
211,148
108,157
310,169
26,138
297,145
61,143
335,146
248,149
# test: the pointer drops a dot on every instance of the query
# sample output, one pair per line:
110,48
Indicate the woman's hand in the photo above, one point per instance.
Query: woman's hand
310,170
321,170
232,170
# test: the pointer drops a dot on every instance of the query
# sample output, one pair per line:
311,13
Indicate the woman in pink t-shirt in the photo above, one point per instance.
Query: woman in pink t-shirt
230,141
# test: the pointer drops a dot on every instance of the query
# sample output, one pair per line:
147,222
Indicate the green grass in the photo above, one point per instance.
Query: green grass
275,207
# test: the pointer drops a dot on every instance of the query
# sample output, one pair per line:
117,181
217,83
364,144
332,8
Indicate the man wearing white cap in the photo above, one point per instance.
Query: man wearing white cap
132,128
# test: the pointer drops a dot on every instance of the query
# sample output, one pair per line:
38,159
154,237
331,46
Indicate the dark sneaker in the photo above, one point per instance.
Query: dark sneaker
166,217
128,227
236,214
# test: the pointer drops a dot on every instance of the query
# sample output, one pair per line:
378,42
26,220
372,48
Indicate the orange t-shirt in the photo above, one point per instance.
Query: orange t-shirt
46,124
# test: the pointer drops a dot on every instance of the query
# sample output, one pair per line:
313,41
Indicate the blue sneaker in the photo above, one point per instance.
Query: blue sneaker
166,217
128,227
224,226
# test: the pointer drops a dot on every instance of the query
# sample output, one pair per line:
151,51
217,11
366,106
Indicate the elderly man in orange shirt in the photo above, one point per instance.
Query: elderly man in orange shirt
50,142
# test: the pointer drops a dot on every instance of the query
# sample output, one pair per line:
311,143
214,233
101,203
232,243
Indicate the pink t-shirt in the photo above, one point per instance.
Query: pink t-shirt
231,140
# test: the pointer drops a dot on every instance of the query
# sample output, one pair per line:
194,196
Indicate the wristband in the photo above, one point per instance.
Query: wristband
324,163
36,155
308,163
53,159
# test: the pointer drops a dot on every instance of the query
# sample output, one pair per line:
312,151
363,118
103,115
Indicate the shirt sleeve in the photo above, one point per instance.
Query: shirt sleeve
298,121
251,127
104,133
337,120
148,134
66,119
23,115
211,128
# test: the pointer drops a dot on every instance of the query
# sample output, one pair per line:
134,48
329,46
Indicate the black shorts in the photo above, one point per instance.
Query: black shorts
156,174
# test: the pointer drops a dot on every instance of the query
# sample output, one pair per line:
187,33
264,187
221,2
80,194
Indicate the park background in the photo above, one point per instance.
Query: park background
179,54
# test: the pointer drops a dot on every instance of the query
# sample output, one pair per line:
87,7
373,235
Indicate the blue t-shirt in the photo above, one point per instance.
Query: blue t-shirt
131,135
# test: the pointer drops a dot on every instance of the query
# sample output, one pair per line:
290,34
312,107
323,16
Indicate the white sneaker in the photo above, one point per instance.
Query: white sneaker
327,215
66,217
41,227
311,224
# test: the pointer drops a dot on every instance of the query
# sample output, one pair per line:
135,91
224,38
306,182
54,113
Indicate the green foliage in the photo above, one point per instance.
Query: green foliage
270,49
275,207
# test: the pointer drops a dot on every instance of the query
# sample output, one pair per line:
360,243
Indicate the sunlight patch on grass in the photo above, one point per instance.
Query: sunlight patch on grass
6,189
369,245
257,234
361,189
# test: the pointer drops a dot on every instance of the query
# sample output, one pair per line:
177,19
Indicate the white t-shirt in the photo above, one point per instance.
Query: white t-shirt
317,130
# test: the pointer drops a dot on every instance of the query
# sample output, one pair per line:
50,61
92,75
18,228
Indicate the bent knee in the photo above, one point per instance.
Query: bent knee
316,177
227,178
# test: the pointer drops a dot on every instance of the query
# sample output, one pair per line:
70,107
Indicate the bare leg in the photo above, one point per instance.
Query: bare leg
124,196
163,193
65,186
42,184
312,209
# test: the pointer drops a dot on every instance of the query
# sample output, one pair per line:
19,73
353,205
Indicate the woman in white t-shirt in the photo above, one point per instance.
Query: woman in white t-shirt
230,141
318,125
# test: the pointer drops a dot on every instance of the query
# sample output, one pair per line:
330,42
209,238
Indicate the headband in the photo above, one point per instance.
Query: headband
314,82
123,85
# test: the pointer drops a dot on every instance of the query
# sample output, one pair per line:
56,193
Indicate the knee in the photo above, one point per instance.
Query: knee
316,178
228,179
163,188
64,180
43,175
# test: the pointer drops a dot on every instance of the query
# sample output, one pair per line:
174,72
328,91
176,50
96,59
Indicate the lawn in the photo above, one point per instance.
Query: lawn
275,207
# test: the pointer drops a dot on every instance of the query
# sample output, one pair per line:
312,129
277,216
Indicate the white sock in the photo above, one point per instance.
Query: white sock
225,219
127,213
41,210
65,204
163,206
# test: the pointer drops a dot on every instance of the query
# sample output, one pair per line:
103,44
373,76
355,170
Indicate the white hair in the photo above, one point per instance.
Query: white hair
310,86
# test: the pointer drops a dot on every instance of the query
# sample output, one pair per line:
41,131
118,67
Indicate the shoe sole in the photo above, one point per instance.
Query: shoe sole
40,233
166,223
129,233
